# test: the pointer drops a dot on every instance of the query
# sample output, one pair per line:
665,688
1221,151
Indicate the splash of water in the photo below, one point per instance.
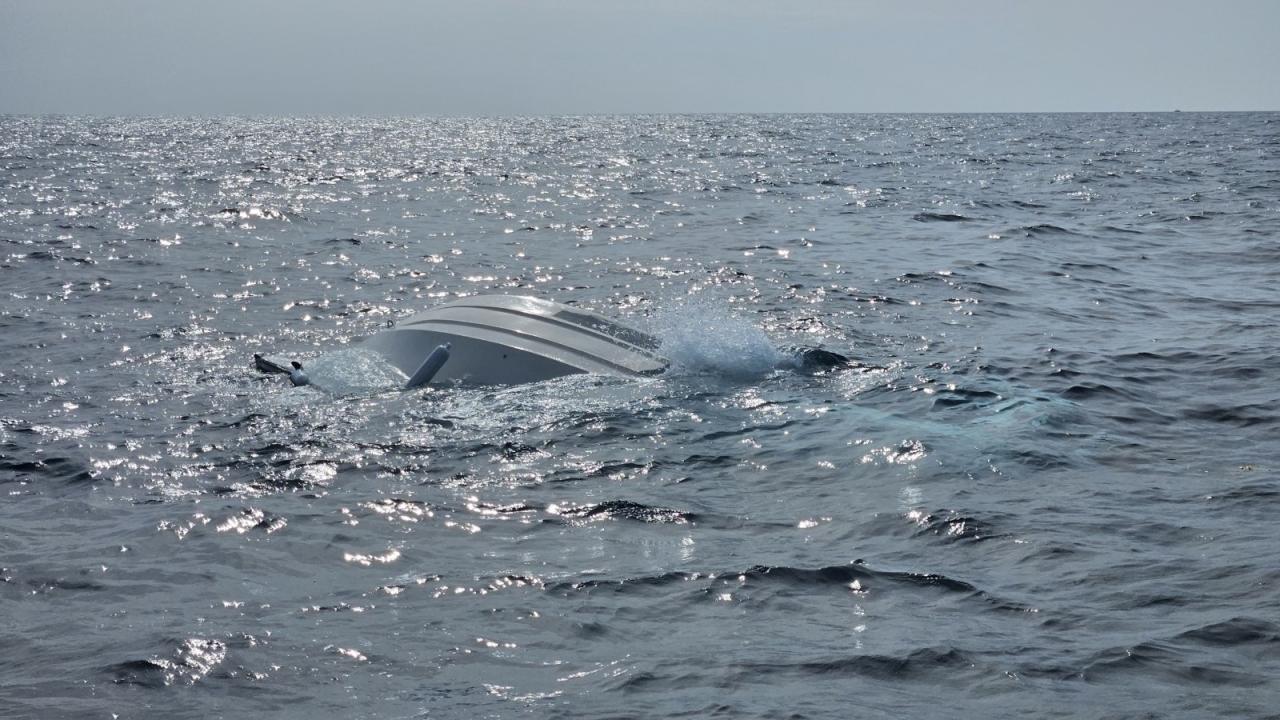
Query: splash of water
353,371
701,335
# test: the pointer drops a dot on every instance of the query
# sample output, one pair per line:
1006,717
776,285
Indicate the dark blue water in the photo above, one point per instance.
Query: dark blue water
1049,487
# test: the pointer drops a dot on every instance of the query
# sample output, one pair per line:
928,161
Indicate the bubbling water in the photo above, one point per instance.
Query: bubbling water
702,336
353,371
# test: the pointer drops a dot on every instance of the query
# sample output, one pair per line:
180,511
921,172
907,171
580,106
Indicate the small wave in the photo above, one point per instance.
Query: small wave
926,277
1041,230
744,431
1078,266
1095,390
1234,632
1145,359
1042,459
1249,494
940,217
1233,306
952,397
953,526
624,585
624,510
1165,661
855,575
1238,415
1140,415
1125,230
856,572
282,470
251,519
57,468
252,212
871,299
188,662
915,665
42,585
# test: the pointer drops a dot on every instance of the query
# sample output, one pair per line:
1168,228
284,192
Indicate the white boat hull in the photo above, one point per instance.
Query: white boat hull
506,340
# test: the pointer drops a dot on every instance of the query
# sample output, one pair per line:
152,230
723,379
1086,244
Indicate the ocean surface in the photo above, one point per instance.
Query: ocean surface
1048,487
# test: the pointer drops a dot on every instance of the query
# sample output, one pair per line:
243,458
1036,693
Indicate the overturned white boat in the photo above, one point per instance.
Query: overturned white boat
508,339
512,339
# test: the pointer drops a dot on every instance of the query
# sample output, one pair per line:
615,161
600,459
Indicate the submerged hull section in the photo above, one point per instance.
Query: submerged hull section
504,340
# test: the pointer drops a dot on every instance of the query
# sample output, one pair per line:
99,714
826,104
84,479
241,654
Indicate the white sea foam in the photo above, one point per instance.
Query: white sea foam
701,334
352,370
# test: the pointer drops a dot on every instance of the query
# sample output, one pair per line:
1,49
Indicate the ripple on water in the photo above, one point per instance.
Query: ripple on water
1051,450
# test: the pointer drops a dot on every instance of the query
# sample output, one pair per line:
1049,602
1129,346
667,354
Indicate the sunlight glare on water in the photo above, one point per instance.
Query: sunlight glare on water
1044,484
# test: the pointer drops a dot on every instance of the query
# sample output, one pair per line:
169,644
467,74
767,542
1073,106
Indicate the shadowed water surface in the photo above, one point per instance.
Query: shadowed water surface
1048,485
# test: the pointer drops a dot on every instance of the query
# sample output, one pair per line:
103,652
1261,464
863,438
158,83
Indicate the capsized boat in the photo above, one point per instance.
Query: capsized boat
511,339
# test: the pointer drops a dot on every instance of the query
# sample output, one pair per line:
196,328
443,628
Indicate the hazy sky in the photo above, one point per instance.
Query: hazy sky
510,57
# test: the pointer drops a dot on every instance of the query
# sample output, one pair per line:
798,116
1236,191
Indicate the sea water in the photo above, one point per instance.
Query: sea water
1046,487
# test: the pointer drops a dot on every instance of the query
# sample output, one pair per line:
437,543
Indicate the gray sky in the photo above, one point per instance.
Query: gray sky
515,57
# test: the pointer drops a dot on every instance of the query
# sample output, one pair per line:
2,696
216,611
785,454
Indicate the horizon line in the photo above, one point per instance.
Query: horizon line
684,113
